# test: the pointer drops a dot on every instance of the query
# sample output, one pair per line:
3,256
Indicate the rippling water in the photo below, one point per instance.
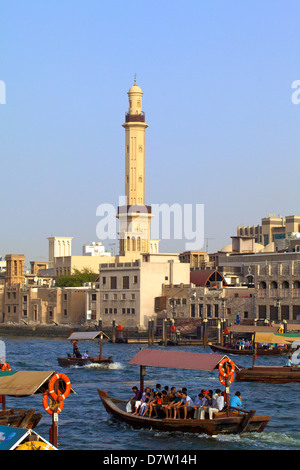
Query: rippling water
85,425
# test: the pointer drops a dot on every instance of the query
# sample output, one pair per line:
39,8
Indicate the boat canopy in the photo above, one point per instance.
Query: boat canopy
279,338
87,335
24,383
177,359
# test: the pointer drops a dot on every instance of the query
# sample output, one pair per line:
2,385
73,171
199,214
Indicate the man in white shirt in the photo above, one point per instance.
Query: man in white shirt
217,404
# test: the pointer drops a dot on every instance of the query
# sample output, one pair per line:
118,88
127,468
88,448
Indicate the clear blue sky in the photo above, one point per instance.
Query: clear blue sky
216,77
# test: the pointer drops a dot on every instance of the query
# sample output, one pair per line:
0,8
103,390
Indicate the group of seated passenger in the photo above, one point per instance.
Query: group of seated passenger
165,403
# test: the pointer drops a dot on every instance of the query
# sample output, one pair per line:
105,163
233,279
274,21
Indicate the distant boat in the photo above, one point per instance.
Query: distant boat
74,338
249,352
271,374
228,421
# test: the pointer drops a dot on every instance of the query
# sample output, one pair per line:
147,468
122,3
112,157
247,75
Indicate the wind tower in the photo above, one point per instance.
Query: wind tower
134,216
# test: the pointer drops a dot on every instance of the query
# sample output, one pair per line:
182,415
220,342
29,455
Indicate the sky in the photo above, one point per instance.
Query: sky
217,81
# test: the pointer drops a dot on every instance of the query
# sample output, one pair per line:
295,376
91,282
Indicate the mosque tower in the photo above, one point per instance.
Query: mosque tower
134,216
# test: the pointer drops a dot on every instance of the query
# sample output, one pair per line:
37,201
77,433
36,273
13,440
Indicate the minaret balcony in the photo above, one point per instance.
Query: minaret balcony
135,117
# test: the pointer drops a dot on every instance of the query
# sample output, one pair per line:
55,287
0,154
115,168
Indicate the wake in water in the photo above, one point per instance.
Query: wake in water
112,366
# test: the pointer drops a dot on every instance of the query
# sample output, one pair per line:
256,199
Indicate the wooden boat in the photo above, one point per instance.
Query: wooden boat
25,419
21,384
249,352
229,421
271,374
74,338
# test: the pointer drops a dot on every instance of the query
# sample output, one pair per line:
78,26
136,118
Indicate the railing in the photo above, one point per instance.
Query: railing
135,117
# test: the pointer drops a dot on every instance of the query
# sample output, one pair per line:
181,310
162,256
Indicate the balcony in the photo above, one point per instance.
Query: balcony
135,117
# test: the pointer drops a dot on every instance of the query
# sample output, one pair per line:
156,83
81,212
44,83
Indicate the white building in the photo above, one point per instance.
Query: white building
95,249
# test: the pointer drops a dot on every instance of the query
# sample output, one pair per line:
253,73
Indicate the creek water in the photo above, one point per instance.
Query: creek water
85,425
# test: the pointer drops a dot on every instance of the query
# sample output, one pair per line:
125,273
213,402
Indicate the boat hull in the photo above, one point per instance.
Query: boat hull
271,374
25,419
249,352
233,424
74,361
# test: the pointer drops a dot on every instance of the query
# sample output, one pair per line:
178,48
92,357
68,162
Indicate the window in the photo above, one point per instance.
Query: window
94,296
123,311
104,280
135,279
125,282
133,311
113,282
115,311
65,312
110,311
128,311
24,313
106,311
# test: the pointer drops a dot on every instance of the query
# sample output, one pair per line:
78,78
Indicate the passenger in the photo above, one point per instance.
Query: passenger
289,362
85,355
77,353
207,395
138,403
199,402
156,405
165,402
236,400
158,387
175,404
217,403
137,396
153,395
144,404
187,406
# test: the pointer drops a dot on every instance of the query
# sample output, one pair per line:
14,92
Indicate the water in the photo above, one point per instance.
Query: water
85,425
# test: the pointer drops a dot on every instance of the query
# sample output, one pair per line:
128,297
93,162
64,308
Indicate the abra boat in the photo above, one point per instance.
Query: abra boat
74,338
271,374
230,421
248,352
21,384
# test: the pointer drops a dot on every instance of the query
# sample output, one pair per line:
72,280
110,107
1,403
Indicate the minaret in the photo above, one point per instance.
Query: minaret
135,147
134,216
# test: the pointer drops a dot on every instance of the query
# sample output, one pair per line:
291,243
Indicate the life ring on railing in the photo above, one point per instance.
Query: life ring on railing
227,362
74,341
47,407
226,381
5,366
173,328
55,395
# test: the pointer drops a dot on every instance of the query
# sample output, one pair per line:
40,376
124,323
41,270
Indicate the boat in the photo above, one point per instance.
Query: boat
248,352
230,347
22,384
22,439
271,373
25,419
74,338
229,421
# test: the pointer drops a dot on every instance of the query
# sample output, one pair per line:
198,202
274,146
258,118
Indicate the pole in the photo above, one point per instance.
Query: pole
53,434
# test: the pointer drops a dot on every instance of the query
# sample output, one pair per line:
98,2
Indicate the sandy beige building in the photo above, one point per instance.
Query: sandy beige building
127,291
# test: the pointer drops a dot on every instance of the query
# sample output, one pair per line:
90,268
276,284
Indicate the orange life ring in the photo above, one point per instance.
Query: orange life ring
173,328
119,327
47,407
229,379
52,393
5,366
74,341
229,362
